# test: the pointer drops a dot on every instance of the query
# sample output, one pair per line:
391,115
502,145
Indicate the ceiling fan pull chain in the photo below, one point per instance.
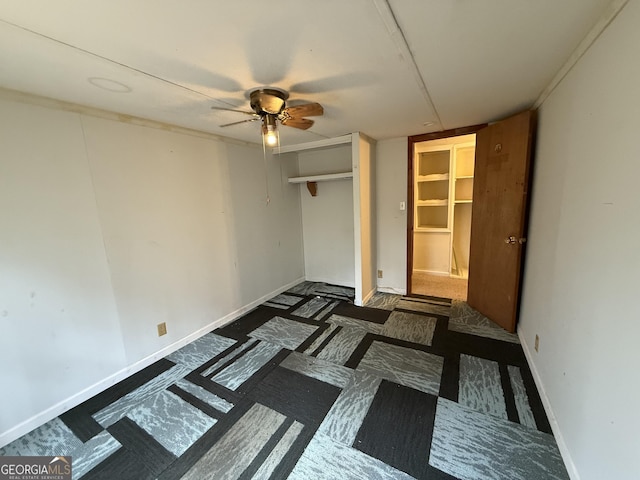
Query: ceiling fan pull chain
266,174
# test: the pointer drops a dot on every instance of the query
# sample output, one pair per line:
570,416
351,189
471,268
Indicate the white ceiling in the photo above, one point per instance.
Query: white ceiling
382,67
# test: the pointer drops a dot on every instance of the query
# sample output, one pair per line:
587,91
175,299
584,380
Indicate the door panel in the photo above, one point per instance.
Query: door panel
498,223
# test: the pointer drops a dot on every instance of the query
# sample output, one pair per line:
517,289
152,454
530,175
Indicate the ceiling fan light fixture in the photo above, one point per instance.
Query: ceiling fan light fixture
270,135
269,106
268,100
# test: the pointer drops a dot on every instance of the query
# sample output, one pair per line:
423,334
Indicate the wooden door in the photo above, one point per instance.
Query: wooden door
499,218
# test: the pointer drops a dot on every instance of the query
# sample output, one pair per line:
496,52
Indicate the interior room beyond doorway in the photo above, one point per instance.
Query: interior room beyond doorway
443,172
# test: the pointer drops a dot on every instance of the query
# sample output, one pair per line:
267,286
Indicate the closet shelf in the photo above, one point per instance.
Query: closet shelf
321,178
324,143
434,177
433,203
431,229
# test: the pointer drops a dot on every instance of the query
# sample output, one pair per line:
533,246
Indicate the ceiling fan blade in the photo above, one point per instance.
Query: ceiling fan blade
232,110
301,123
241,121
306,110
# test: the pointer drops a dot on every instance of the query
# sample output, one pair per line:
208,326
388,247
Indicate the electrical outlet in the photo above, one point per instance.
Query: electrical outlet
162,329
379,273
537,343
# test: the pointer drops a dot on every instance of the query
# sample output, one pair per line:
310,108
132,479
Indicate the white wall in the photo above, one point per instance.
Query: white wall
111,228
58,315
328,218
581,274
431,252
391,222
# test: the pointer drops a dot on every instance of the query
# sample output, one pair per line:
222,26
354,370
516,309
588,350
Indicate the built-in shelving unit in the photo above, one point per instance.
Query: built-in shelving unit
464,161
432,168
443,197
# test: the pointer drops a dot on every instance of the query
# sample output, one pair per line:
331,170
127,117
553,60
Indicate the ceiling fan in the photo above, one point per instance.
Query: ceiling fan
269,105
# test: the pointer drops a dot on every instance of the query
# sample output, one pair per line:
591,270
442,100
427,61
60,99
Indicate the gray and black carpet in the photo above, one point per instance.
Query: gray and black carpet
309,386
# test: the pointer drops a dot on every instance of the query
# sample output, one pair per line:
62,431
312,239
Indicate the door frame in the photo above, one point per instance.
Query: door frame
412,140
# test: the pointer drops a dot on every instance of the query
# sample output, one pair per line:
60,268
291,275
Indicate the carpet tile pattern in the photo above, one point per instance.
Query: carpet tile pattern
93,452
404,366
460,447
480,386
309,385
173,422
525,414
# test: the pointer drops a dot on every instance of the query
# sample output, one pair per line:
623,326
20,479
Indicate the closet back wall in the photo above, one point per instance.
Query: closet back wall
327,219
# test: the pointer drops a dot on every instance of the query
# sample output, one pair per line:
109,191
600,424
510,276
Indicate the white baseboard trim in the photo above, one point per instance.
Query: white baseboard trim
557,433
368,296
432,272
76,399
396,291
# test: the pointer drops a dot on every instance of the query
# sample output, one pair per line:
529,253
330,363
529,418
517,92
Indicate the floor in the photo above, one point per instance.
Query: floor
310,386
439,285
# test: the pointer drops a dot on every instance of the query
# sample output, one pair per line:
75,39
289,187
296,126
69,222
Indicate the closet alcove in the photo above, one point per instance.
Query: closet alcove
338,233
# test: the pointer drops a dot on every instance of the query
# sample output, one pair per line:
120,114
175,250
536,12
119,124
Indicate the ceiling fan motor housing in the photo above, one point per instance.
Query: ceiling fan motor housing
269,105
268,101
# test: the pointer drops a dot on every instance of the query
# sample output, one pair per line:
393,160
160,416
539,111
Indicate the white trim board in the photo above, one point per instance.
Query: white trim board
367,297
557,433
61,407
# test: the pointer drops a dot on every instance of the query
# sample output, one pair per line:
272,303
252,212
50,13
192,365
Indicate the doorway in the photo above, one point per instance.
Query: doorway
502,165
440,187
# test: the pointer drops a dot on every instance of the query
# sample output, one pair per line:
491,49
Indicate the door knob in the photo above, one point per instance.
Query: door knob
513,240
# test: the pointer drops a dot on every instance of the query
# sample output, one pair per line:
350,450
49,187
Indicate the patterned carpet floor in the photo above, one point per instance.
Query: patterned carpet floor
309,386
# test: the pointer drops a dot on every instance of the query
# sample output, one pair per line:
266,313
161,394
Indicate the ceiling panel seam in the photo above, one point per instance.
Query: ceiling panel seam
397,35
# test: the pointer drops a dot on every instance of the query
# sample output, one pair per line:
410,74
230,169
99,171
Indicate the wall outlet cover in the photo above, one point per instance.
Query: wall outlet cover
162,329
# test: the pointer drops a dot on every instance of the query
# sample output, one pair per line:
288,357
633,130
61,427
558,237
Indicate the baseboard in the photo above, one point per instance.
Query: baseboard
432,272
396,291
368,296
557,433
76,399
